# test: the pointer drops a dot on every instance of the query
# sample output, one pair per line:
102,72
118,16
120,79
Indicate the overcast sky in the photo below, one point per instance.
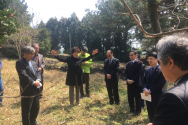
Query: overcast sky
45,9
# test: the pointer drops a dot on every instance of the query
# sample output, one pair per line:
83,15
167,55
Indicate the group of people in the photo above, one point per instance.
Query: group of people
169,108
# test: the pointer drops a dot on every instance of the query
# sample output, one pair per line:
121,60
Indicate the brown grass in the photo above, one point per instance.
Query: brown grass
55,110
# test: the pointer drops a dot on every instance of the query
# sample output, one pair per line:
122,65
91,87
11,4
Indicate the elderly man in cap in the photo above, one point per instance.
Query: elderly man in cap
86,71
172,108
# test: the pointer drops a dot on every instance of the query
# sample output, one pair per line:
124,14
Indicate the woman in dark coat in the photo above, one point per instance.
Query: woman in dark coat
74,74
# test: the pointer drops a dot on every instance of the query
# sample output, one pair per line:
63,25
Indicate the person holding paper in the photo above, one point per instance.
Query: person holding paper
134,85
29,77
172,108
154,82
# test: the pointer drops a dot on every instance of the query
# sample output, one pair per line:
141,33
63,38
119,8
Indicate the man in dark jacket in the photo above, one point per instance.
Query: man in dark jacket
172,108
111,66
153,82
39,59
30,78
134,86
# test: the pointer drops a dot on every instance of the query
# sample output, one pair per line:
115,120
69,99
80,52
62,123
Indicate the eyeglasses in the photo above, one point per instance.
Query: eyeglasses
150,59
131,55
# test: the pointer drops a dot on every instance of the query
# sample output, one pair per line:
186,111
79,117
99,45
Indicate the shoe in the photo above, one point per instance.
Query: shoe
131,111
110,103
78,104
37,124
71,105
118,103
137,113
82,96
89,96
1,105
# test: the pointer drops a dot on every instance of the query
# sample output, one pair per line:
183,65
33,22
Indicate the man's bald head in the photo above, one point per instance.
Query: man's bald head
109,54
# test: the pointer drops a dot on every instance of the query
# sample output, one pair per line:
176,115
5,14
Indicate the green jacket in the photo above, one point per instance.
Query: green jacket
86,67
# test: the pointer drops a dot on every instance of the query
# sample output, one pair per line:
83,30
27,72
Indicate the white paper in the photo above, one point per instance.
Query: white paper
39,86
147,98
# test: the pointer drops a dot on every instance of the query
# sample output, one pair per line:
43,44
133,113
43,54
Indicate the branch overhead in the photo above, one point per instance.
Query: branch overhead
139,24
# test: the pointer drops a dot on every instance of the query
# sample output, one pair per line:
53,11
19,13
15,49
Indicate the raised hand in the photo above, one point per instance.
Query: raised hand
95,52
54,52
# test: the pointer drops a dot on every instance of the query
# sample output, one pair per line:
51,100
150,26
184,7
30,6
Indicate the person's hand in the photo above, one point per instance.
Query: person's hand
95,52
84,62
37,83
54,52
129,81
108,76
150,124
146,92
40,69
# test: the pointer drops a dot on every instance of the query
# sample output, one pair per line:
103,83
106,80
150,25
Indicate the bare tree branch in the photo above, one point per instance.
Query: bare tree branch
146,34
171,6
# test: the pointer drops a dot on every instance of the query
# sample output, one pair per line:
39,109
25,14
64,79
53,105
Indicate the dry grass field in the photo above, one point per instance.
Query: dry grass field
55,110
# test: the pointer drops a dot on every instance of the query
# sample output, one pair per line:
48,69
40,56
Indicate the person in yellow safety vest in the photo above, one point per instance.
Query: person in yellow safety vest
86,71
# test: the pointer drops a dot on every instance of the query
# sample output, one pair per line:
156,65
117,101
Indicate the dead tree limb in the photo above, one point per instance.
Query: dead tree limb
146,34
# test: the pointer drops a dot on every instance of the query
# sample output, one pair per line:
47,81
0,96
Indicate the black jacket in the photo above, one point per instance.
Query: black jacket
134,72
172,108
27,77
75,72
111,69
143,70
155,83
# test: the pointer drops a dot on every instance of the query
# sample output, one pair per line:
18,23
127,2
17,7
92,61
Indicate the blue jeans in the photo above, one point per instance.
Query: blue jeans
1,87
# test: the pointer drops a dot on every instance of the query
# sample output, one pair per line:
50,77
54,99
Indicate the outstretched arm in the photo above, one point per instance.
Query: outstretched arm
91,56
57,57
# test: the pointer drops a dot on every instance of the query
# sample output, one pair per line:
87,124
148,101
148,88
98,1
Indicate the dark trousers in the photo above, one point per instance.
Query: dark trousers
71,94
86,80
134,94
41,88
112,88
151,106
142,103
30,110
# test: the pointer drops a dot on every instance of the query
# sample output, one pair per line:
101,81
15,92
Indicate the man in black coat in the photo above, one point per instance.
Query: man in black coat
39,59
30,78
134,86
142,75
172,108
153,82
111,66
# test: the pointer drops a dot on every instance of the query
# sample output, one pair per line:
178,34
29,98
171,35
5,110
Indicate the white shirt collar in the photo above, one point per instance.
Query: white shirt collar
177,81
133,61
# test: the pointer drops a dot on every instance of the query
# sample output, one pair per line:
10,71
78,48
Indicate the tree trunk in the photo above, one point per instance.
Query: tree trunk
154,17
